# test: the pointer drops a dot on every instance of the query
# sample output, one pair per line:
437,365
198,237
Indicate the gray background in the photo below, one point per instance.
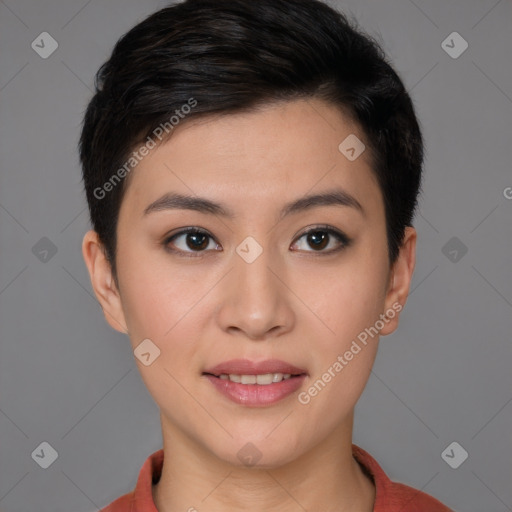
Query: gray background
68,379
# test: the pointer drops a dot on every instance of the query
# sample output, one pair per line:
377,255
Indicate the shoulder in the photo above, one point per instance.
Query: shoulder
394,496
401,497
140,499
121,504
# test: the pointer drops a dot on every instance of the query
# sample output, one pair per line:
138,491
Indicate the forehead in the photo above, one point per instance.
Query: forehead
273,154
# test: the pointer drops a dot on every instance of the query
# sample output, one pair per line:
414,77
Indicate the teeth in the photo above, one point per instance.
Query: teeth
265,379
247,379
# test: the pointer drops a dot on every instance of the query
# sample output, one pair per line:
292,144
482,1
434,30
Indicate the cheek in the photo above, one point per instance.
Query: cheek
349,307
163,309
157,297
349,302
342,359
164,304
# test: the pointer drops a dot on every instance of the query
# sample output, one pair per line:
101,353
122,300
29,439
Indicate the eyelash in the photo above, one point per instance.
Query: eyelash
338,235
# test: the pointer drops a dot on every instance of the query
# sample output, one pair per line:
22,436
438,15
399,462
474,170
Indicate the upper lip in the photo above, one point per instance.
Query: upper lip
248,367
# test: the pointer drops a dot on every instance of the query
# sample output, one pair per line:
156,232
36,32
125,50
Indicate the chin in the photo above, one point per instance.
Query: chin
263,452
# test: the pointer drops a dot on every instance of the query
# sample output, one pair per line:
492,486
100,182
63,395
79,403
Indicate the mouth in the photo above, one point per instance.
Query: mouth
245,371
262,379
256,384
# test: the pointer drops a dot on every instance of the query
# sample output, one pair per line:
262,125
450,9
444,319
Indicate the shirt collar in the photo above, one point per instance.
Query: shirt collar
142,498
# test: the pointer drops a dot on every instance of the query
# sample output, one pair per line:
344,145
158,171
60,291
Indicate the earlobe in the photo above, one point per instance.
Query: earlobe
102,281
400,280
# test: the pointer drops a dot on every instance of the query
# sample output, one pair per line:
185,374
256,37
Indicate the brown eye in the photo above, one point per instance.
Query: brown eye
196,240
319,238
189,240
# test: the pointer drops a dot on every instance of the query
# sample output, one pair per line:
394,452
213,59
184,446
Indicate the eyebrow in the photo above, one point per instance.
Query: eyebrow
175,201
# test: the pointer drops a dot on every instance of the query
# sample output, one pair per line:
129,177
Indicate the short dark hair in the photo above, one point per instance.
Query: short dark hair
232,56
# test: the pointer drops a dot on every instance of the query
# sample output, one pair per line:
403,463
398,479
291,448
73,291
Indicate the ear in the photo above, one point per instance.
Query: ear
103,282
400,281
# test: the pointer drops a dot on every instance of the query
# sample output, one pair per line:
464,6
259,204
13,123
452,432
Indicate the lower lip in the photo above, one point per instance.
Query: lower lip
255,395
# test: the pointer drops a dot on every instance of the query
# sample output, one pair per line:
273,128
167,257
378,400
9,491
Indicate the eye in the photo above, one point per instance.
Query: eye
194,239
320,237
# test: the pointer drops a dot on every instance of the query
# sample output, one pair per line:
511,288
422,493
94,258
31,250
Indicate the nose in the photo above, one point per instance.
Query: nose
256,301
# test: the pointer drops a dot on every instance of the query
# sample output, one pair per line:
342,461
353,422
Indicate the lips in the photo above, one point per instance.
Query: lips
248,367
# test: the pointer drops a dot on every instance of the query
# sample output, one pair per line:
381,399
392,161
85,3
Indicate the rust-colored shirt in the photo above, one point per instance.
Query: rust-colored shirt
389,496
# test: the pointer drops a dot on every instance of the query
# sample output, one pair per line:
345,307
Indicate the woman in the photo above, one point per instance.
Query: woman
252,172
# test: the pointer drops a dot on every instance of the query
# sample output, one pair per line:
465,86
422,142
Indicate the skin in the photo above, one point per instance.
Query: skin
286,304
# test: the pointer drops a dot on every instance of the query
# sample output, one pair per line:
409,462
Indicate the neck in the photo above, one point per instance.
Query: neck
325,478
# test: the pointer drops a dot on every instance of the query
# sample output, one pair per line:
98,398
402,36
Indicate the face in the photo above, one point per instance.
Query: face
307,285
